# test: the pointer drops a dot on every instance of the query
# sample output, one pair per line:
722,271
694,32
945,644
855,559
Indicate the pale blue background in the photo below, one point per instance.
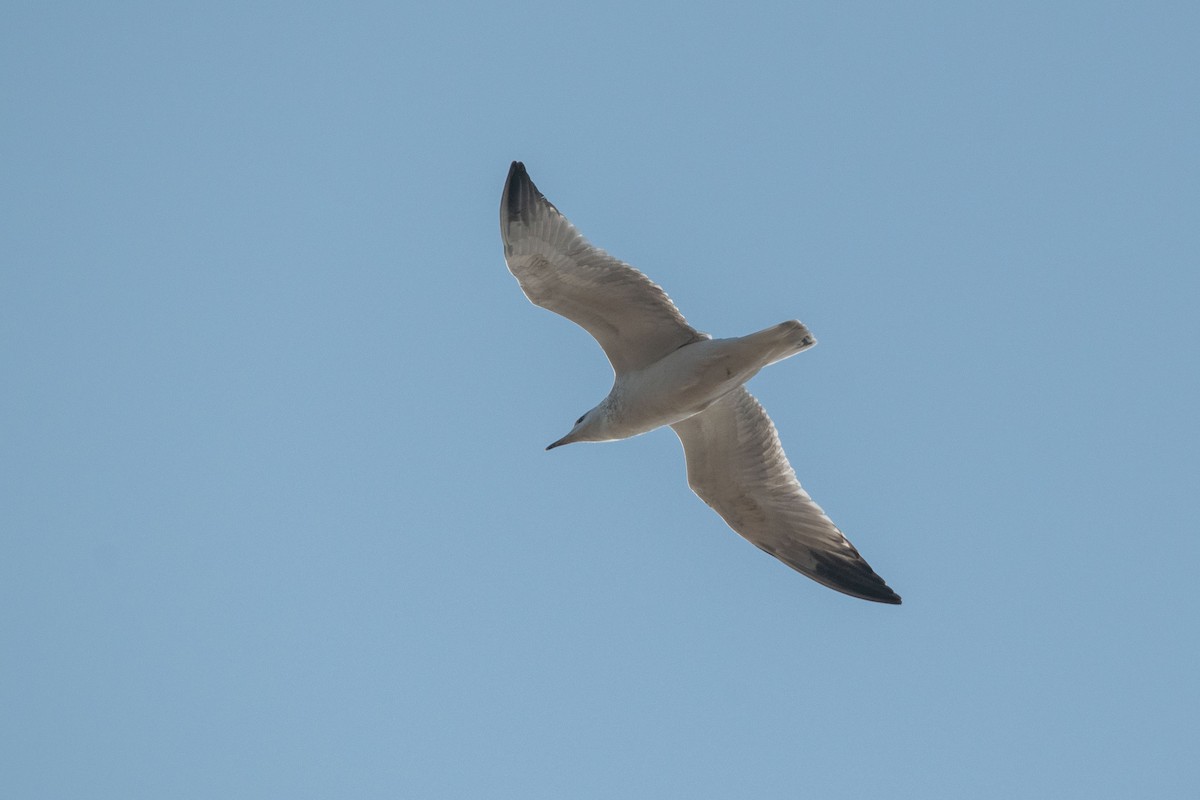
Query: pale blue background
277,522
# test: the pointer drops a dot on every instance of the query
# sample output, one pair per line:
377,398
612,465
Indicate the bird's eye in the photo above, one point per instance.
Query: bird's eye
580,419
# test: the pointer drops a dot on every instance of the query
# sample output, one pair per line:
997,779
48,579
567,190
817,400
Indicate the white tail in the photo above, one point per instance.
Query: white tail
784,340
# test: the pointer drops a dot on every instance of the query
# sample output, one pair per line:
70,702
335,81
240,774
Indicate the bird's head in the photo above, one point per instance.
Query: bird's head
585,430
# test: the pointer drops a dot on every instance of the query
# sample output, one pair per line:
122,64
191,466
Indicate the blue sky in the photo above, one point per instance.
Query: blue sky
277,520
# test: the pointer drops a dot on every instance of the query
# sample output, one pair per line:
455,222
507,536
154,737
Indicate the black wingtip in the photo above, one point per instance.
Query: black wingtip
880,594
875,594
855,578
519,191
521,197
515,173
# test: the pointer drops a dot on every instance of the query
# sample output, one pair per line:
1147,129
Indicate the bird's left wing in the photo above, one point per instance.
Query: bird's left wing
629,315
736,464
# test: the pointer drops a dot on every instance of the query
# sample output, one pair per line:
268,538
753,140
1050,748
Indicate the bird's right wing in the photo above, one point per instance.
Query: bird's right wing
736,464
629,315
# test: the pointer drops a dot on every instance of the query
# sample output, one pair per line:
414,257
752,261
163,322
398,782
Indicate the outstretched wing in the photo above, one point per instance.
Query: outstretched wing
736,464
631,317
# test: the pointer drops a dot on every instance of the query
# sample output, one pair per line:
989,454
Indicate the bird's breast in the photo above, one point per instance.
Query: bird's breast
679,385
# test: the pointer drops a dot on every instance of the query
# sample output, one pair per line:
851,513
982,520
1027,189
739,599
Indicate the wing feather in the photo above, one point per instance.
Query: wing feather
629,315
736,464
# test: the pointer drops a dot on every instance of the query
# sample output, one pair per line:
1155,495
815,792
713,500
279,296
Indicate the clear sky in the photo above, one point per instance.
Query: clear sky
275,516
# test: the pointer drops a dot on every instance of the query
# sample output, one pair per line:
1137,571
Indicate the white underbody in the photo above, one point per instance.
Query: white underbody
684,383
687,381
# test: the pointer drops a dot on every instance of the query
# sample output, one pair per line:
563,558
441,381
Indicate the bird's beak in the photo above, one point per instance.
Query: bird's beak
565,440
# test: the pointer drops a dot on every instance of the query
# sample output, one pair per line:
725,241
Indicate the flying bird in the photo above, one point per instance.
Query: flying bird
669,373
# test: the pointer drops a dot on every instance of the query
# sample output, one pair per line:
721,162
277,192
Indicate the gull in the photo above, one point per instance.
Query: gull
668,373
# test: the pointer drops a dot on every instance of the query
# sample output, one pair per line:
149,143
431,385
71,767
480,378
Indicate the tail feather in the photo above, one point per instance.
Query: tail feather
786,339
